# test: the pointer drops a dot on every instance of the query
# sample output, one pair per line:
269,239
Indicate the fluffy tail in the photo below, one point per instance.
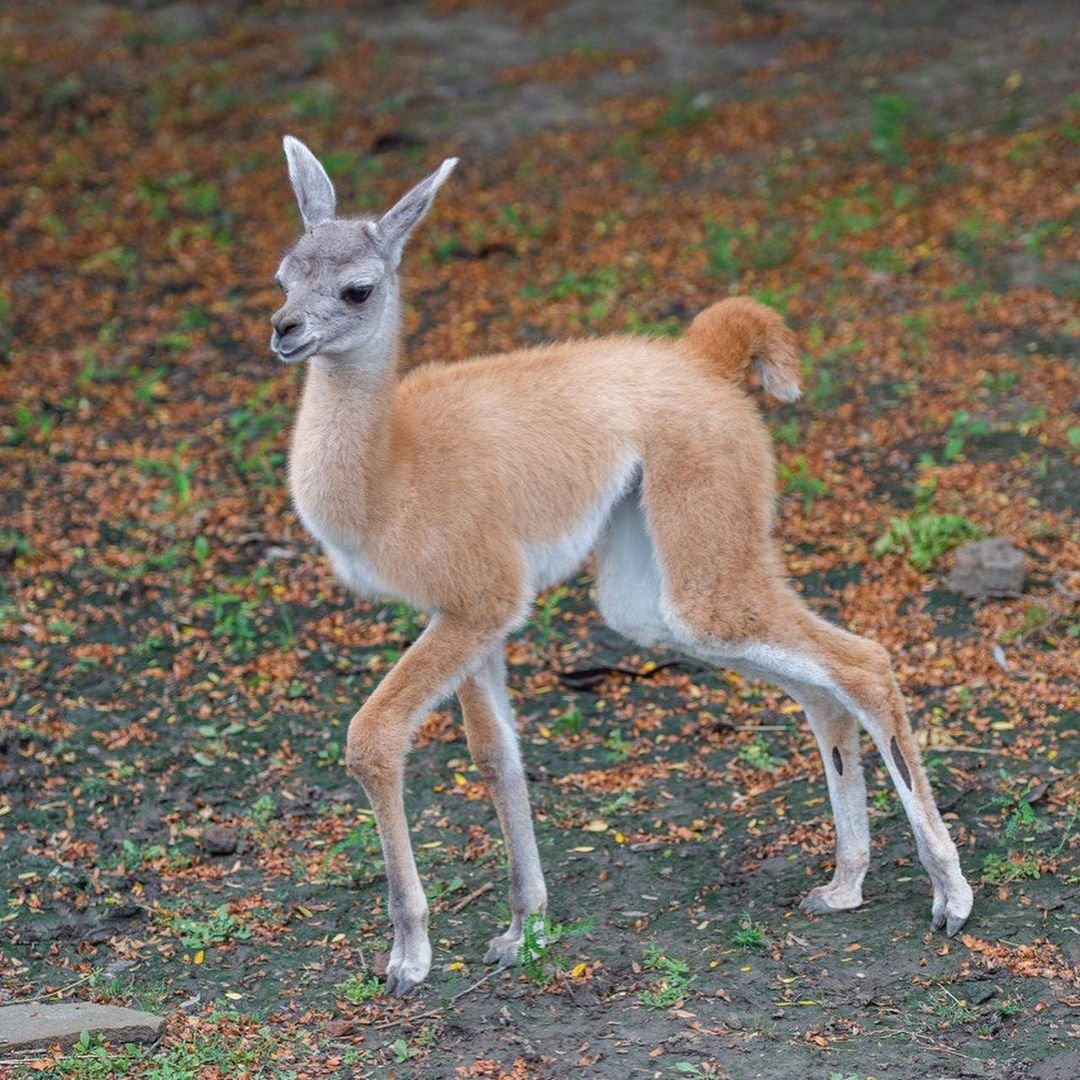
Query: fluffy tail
734,333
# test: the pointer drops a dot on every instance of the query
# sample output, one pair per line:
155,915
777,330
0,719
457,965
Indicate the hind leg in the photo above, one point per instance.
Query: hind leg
800,647
861,673
630,597
493,743
725,598
837,736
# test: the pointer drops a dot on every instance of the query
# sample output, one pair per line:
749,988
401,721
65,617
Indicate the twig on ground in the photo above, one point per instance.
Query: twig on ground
53,994
463,903
966,750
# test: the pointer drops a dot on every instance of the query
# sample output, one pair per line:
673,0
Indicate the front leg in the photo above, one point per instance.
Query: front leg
378,741
493,743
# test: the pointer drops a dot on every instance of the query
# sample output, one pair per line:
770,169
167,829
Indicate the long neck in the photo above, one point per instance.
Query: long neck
341,441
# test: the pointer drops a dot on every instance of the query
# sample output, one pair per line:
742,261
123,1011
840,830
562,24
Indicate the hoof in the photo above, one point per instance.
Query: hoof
952,906
503,950
826,899
407,969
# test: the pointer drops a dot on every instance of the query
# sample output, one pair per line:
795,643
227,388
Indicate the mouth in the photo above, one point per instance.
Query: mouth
297,352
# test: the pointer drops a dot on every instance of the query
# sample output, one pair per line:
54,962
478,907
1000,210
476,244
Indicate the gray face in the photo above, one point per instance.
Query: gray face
338,288
340,280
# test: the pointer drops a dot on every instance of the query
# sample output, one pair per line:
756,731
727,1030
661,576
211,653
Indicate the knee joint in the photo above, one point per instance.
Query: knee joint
370,760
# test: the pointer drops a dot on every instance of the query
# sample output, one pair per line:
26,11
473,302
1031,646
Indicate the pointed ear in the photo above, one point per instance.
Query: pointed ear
394,226
314,192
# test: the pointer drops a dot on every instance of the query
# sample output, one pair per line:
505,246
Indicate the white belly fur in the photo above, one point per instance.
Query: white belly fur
548,564
545,564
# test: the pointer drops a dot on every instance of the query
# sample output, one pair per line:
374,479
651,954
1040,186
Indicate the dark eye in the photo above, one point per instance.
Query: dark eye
356,294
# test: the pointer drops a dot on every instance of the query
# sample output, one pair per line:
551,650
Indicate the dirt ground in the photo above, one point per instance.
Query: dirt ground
900,179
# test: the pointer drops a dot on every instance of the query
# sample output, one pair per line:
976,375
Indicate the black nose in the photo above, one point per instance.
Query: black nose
285,325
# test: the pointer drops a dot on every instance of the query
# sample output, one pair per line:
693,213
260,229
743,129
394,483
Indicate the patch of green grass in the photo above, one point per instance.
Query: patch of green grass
844,216
771,246
787,432
255,431
535,957
570,723
670,327
542,621
756,753
407,623
11,540
820,373
885,260
701,1070
263,808
332,755
521,224
961,428
796,480
576,286
999,383
356,990
402,1051
974,238
120,262
616,805
684,110
721,259
616,747
28,427
675,980
176,470
92,1058
999,869
232,620
947,1010
777,299
728,247
915,336
217,928
1035,618
890,119
318,104
923,535
1019,830
750,936
1031,420
132,857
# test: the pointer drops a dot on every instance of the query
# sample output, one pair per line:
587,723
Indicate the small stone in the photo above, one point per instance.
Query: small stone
38,1026
988,568
980,993
219,840
340,1029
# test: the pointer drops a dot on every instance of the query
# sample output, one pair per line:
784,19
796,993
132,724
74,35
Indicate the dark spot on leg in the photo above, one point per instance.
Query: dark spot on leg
838,761
901,764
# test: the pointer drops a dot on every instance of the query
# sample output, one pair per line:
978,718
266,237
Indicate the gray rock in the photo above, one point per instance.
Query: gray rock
988,568
37,1026
219,840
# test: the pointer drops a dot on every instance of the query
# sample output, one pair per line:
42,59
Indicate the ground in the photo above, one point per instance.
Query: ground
900,180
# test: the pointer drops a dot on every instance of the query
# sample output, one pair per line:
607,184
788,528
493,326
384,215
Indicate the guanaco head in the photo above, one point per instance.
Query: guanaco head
340,279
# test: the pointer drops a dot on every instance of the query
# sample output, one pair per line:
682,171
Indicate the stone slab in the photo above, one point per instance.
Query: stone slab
988,568
38,1026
